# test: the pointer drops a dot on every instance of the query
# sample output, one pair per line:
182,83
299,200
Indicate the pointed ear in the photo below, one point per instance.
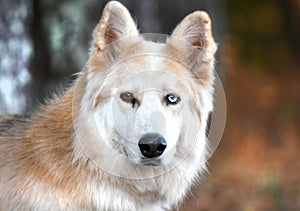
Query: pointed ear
195,29
115,23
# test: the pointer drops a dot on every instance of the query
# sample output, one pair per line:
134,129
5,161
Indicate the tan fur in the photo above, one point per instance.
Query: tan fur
42,163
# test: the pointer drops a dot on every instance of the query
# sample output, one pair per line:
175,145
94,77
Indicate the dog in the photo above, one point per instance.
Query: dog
129,134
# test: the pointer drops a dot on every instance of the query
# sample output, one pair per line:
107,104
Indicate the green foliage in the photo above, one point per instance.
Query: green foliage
275,191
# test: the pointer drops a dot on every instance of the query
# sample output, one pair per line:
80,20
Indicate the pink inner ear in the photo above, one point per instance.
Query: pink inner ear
194,33
115,28
111,34
115,23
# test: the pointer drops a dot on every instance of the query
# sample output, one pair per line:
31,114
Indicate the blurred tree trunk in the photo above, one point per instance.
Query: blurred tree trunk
15,53
61,31
40,63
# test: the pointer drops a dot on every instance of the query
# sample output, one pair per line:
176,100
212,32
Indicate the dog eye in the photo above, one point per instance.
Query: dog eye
128,98
172,99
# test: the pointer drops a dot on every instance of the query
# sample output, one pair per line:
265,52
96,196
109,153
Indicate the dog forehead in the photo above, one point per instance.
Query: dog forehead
149,80
150,56
148,65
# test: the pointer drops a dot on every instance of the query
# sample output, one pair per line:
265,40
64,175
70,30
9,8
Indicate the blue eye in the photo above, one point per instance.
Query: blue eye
172,99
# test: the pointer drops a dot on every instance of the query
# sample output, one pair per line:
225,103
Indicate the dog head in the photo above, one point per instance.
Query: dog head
148,100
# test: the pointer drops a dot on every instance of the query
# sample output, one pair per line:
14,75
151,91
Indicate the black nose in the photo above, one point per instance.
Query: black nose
152,145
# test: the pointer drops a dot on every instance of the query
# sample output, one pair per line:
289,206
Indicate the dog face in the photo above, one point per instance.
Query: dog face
150,101
146,109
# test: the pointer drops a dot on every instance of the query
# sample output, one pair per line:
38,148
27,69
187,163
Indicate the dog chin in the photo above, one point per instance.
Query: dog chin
146,161
151,162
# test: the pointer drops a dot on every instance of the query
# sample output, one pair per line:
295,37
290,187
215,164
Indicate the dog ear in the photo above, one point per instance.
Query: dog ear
115,23
195,29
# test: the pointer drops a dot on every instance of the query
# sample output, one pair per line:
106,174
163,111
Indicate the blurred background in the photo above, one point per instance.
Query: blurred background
257,165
